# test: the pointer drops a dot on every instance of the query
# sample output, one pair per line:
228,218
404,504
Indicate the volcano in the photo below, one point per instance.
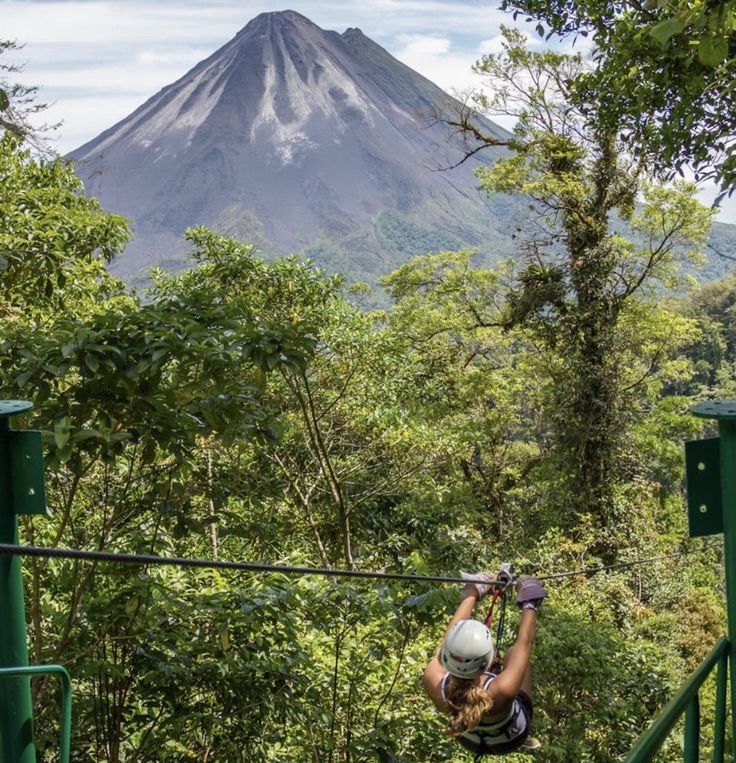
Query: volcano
299,140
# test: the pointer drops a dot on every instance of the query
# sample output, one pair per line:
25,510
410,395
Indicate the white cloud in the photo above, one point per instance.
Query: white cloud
41,21
122,22
495,44
418,44
135,78
383,18
437,59
492,45
707,194
179,58
86,117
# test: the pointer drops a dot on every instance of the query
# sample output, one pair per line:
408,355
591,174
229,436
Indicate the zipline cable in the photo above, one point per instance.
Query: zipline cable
619,565
7,549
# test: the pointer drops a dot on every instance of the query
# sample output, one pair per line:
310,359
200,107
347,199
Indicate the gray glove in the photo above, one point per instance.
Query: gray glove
482,589
530,593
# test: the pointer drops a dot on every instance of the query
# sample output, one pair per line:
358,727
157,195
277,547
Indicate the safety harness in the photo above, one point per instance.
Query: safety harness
496,737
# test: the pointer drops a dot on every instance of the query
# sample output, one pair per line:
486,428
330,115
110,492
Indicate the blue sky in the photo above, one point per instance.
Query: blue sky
98,60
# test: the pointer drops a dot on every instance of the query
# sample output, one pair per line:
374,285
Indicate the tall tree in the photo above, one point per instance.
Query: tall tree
582,282
19,104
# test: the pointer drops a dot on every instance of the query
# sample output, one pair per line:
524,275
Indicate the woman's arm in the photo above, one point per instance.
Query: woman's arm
530,593
507,685
434,672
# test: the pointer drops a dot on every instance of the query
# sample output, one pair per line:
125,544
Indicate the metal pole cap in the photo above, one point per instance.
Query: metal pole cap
715,409
14,408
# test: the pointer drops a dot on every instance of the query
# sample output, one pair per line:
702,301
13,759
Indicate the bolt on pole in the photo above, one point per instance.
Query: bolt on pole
21,492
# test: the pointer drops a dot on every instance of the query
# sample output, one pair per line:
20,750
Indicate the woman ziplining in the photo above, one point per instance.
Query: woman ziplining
490,711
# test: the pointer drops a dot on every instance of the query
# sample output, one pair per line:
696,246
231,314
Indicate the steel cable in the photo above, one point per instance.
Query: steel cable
619,565
7,549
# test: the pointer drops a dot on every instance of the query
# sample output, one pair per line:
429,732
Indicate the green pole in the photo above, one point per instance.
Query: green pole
719,737
16,713
66,699
692,731
724,411
650,741
727,432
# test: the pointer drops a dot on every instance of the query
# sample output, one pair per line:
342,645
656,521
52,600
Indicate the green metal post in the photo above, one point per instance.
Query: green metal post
719,738
692,731
65,733
650,741
727,431
16,715
724,411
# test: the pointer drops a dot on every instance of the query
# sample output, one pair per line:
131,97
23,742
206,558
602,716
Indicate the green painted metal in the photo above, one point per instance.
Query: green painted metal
704,501
14,408
692,731
16,714
66,700
26,465
724,411
22,491
719,737
651,740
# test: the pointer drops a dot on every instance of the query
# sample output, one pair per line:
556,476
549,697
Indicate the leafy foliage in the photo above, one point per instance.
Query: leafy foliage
581,294
663,76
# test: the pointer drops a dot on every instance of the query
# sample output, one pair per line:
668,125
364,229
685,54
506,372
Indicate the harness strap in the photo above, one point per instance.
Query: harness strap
495,596
487,747
499,595
501,621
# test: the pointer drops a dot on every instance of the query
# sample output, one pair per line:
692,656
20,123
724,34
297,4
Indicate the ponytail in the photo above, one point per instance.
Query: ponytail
467,703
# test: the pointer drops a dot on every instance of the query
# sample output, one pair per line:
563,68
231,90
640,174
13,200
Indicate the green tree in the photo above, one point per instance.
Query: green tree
54,241
244,408
126,392
474,384
583,291
713,353
663,76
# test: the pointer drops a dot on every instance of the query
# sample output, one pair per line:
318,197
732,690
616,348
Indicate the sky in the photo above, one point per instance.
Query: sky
96,61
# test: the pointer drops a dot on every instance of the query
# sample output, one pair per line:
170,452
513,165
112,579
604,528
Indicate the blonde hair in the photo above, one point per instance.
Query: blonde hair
467,703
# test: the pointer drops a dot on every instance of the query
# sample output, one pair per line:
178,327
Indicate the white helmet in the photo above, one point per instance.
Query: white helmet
467,650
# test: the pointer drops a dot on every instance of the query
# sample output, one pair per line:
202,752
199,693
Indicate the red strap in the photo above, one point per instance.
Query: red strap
497,594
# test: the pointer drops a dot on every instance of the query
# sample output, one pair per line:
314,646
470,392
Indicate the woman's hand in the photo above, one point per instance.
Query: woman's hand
530,593
477,589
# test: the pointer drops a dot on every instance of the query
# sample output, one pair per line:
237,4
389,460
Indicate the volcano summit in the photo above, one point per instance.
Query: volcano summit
298,140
